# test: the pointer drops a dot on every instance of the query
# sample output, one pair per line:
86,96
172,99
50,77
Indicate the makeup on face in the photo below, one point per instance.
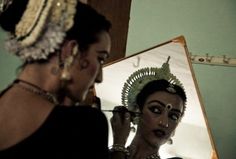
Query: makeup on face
97,54
161,114
159,133
103,55
102,49
159,107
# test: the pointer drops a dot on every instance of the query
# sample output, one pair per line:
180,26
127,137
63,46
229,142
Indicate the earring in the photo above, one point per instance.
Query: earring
165,125
170,141
65,75
75,51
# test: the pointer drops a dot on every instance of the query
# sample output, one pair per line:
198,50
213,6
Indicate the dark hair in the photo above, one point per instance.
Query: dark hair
155,86
88,23
13,14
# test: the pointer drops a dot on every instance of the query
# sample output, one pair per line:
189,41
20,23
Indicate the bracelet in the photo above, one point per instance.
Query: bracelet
120,148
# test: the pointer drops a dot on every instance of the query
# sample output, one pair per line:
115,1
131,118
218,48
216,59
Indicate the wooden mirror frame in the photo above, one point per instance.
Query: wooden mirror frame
116,73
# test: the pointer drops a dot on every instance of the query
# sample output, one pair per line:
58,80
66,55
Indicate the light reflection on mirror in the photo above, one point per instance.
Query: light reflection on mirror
191,139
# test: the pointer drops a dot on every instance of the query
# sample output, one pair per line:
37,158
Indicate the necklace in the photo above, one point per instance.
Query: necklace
152,156
36,90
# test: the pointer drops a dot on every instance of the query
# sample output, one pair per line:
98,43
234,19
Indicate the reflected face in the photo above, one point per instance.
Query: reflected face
88,69
160,116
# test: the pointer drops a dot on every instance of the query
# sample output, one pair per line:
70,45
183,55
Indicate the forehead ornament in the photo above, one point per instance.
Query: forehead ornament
171,89
169,106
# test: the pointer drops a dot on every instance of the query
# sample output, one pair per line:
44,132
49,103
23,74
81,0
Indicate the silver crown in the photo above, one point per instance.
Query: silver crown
136,81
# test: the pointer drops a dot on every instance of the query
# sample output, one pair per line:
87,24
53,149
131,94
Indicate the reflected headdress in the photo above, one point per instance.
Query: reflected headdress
137,80
42,28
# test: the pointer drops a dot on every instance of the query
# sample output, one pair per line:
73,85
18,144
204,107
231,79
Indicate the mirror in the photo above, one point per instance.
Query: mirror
192,139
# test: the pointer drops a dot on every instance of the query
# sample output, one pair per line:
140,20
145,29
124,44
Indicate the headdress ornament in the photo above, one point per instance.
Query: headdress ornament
42,28
136,81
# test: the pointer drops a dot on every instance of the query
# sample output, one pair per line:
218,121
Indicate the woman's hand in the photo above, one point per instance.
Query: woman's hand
120,123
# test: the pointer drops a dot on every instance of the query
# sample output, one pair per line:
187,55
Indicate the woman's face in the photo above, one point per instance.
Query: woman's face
160,116
88,69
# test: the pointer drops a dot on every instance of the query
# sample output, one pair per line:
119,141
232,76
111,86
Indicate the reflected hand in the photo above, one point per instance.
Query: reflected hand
120,123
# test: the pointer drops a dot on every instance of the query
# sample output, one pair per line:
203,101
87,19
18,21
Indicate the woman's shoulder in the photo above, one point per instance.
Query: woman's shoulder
80,117
80,126
64,128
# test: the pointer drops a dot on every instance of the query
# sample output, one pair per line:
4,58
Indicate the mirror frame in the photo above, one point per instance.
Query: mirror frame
180,40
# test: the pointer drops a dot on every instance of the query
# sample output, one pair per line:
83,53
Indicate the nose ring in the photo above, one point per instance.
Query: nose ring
165,125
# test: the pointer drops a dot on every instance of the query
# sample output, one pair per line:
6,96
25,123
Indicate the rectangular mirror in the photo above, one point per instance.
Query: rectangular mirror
192,138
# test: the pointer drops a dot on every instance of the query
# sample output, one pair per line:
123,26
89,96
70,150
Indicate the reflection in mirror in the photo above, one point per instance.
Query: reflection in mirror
192,139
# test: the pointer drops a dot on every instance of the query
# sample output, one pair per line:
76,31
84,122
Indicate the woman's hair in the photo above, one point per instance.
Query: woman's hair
10,17
155,86
88,23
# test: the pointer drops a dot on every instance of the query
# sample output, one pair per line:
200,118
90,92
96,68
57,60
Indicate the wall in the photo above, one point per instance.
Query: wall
8,64
209,26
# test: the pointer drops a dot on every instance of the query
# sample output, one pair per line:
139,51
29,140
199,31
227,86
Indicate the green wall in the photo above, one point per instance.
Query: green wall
8,64
209,26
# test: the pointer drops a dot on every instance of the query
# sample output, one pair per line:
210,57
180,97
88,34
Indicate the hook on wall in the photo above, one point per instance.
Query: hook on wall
137,63
208,58
192,57
225,59
214,60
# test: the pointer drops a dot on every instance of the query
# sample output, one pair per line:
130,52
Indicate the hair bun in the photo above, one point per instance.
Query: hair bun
4,4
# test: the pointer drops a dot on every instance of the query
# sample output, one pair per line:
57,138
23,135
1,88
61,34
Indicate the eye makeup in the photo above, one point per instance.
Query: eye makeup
157,107
102,56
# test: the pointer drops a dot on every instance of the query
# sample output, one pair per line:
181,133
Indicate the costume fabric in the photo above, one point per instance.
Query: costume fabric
68,132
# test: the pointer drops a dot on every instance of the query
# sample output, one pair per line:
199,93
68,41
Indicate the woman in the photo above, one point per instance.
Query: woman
63,44
156,100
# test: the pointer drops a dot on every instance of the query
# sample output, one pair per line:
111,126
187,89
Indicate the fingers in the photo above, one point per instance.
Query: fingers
120,113
121,118
127,117
120,109
120,123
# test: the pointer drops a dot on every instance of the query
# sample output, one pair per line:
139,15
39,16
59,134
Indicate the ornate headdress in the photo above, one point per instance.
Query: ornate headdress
42,28
141,77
